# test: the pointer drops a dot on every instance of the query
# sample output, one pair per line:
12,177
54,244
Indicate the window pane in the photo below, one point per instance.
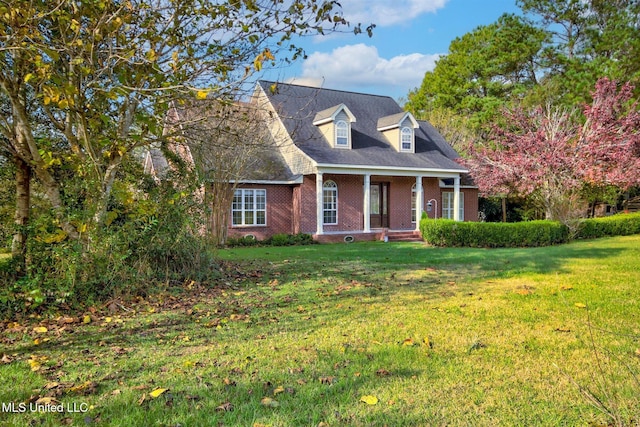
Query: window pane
248,218
374,205
237,218
261,218
248,199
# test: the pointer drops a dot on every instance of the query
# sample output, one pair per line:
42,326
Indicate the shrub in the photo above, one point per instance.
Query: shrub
615,225
493,234
280,239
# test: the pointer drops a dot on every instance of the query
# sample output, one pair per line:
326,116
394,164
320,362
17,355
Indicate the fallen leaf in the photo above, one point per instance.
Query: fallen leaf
408,342
46,401
86,319
278,390
580,305
40,330
6,359
269,402
225,407
566,287
369,400
157,392
383,373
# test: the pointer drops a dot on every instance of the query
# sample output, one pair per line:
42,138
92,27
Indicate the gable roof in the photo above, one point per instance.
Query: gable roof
394,121
298,106
330,114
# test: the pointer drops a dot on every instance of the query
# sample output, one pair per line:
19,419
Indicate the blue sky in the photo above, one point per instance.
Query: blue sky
409,37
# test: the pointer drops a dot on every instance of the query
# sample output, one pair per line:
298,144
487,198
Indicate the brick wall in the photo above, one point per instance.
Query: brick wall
279,213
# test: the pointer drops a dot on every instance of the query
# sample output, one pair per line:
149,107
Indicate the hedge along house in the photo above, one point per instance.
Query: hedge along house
360,168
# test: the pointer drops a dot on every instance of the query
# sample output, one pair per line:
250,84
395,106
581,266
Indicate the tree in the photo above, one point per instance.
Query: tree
483,70
550,154
103,74
224,142
586,40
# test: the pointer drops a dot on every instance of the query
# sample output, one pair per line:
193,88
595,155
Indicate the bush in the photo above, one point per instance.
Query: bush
444,232
280,239
615,225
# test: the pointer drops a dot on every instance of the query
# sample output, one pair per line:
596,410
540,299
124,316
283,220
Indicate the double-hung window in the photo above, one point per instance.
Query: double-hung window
406,139
447,205
330,203
342,134
249,207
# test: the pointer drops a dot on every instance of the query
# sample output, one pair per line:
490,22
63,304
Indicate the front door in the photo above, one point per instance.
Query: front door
379,204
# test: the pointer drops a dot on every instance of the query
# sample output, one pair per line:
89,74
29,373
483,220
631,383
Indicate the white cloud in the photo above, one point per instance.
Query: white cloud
361,65
385,13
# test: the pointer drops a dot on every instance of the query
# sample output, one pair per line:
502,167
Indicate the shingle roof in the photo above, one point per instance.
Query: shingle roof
298,106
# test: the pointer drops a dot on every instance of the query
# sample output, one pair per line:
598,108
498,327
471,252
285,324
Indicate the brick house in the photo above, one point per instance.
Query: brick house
354,166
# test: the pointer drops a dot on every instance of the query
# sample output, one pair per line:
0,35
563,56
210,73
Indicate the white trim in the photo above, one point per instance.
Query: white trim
367,203
297,180
334,190
254,210
339,108
414,122
388,170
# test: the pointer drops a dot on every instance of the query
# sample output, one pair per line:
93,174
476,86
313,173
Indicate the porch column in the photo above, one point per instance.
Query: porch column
319,209
419,201
366,211
456,199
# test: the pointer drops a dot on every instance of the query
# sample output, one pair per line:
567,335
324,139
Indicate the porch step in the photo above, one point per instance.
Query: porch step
404,236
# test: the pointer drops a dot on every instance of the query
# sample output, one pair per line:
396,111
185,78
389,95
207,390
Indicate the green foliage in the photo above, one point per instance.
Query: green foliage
615,225
280,239
492,234
444,232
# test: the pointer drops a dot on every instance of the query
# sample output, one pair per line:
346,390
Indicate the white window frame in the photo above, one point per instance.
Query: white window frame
329,202
406,136
254,206
342,134
447,205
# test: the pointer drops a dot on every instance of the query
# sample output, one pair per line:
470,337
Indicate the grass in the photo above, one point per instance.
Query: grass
438,336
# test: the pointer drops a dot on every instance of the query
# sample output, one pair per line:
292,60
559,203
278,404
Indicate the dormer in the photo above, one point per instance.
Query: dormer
399,130
335,125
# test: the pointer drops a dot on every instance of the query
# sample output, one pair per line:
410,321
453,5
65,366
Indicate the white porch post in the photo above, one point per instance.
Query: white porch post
419,201
456,199
319,207
366,211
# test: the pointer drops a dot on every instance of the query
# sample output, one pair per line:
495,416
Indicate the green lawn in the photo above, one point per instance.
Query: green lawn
437,336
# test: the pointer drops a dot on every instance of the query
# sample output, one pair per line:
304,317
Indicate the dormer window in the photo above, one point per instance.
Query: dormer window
406,139
342,134
399,130
335,125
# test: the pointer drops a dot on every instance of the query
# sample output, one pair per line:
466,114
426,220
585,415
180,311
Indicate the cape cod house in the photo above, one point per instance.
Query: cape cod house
355,167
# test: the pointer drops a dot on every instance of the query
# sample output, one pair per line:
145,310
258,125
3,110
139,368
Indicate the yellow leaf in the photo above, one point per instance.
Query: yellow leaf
107,319
269,402
278,390
40,329
86,319
28,77
34,364
369,400
408,342
157,392
202,94
580,305
63,103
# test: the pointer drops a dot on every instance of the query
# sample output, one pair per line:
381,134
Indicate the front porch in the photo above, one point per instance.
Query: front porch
365,204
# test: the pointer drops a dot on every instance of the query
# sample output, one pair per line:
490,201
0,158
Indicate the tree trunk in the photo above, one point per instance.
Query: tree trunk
504,209
23,201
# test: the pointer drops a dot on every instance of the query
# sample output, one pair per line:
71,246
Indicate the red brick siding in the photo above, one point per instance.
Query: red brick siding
279,213
431,189
308,204
350,199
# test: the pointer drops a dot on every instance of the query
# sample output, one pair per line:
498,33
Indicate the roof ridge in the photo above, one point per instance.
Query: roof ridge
326,89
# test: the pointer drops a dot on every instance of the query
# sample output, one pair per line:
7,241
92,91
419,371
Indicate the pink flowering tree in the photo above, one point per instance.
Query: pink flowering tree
549,154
